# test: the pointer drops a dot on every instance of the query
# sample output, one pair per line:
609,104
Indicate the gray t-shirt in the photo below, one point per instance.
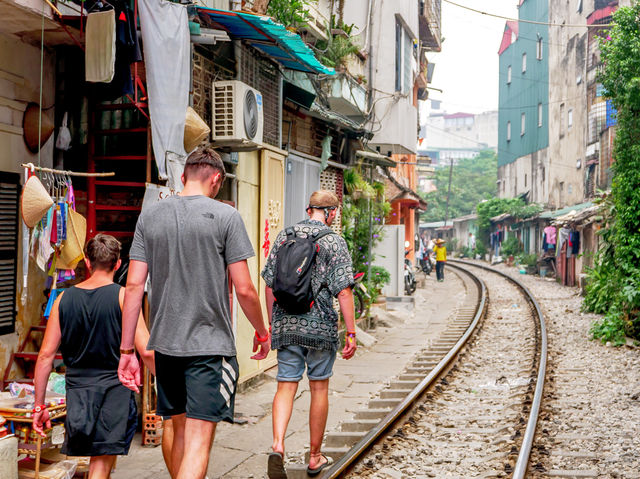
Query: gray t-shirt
187,243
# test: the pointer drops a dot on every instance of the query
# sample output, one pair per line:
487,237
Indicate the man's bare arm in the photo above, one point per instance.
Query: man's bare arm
250,304
134,292
247,296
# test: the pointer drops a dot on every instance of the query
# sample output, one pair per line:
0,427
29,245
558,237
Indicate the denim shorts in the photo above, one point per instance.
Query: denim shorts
292,360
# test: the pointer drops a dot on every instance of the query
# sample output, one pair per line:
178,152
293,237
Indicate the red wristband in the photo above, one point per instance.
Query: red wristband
39,408
262,340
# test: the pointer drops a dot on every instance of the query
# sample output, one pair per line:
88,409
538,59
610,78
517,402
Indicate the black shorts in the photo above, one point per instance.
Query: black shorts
203,387
97,424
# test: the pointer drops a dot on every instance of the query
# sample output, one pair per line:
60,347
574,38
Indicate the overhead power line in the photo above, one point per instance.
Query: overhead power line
527,21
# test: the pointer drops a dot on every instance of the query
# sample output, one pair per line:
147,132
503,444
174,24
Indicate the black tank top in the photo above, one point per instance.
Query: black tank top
91,327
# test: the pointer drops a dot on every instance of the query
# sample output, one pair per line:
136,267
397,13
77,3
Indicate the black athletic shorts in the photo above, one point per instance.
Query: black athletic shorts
101,414
204,387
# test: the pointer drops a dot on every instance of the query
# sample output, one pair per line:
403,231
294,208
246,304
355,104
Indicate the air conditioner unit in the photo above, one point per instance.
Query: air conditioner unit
237,115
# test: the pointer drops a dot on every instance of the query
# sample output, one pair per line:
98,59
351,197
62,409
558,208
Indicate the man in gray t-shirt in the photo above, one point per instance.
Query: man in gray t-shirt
187,243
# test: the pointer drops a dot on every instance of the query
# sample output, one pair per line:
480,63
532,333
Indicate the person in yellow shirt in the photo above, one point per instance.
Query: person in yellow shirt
441,258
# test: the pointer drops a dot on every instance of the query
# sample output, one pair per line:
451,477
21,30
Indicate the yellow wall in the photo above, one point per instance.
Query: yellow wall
260,176
19,84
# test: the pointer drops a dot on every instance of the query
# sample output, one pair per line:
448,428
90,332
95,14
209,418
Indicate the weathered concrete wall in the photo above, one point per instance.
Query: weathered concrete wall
567,105
527,174
20,84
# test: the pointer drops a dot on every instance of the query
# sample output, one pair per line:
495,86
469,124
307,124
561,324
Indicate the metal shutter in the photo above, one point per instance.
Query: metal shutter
9,199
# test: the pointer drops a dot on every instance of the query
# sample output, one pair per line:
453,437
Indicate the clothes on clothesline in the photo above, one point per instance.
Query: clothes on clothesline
550,233
127,51
573,246
100,46
563,235
496,238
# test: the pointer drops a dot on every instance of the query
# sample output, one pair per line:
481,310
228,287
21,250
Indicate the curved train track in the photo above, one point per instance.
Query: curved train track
452,417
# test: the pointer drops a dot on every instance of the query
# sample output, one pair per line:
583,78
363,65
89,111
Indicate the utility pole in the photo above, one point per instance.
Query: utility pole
446,212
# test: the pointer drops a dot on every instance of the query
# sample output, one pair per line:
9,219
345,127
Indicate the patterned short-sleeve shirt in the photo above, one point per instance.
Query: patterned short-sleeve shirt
331,273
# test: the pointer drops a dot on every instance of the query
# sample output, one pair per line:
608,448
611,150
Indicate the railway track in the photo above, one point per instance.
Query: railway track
468,404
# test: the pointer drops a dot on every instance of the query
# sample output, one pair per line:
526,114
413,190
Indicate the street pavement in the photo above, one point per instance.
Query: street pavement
240,451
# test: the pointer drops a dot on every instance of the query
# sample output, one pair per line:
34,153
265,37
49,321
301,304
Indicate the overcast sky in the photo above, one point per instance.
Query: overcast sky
467,68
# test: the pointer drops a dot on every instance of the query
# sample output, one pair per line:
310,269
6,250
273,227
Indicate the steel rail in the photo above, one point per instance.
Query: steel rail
522,463
363,444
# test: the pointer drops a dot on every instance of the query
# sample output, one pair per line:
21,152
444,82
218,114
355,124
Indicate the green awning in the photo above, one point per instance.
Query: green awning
283,46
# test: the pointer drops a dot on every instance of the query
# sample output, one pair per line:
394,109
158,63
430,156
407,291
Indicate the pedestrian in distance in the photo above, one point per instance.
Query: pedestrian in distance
299,291
187,244
86,324
472,243
441,258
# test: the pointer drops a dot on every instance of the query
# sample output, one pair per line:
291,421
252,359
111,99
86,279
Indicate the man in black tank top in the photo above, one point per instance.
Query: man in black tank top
86,323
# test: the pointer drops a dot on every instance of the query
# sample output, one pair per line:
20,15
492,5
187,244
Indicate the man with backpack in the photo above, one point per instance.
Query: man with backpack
308,266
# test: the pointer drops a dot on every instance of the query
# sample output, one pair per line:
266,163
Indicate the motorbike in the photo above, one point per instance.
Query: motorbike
426,265
361,297
410,283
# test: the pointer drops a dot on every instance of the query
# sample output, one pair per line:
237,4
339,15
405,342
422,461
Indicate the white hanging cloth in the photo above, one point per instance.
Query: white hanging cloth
167,56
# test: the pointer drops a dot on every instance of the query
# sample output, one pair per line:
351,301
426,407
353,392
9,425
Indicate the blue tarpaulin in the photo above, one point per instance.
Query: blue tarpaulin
270,37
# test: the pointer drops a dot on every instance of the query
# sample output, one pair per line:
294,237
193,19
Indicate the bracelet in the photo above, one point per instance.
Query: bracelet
127,351
262,340
39,408
351,335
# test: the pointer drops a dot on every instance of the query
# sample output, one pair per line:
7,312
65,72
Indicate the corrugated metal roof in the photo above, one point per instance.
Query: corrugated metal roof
270,37
564,211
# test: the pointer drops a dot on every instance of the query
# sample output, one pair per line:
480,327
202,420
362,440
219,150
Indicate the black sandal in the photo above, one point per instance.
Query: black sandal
275,466
314,472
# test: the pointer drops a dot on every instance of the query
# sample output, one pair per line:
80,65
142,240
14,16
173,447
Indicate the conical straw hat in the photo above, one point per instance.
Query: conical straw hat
195,130
72,249
30,127
35,201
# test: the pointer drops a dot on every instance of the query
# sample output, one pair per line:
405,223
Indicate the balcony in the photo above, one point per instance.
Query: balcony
430,25
317,24
345,95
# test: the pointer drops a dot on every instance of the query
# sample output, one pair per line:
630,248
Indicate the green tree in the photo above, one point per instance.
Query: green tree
473,181
516,207
617,268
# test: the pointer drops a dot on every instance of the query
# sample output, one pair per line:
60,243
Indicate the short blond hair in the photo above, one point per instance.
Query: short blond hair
324,199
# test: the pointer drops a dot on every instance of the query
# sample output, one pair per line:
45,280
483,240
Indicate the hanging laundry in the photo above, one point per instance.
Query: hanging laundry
563,236
127,52
574,242
100,48
550,231
167,55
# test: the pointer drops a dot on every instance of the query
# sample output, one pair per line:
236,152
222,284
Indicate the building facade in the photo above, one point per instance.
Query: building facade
523,113
457,136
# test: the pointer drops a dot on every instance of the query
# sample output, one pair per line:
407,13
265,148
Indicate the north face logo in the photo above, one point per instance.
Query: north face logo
211,216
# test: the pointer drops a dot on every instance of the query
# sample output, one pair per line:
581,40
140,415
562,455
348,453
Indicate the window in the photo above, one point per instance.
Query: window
9,195
523,123
561,120
539,114
569,118
508,131
509,75
539,48
404,53
524,62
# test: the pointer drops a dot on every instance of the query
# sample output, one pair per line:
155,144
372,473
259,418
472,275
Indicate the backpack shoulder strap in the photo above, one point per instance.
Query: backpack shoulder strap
290,232
322,234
